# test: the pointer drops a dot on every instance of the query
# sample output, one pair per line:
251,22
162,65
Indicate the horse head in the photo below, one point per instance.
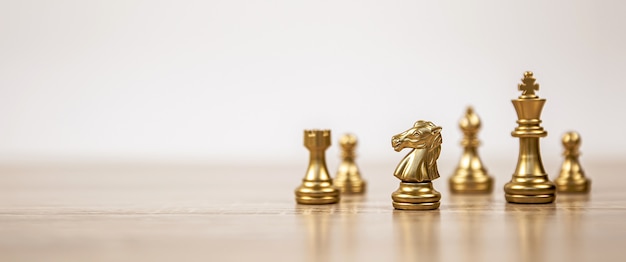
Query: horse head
423,135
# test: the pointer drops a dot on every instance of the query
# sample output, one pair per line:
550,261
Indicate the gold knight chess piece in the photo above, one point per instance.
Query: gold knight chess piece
530,183
418,168
348,177
572,177
470,175
317,186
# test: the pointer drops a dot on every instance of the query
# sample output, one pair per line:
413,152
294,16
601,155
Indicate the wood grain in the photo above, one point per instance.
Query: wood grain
98,212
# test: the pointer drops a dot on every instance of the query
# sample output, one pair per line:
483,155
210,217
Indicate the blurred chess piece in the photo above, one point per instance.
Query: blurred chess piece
348,177
530,183
418,168
317,186
572,177
470,175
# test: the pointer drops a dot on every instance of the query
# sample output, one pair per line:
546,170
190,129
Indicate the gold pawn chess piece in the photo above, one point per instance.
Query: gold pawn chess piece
470,175
530,183
348,177
317,186
572,177
418,168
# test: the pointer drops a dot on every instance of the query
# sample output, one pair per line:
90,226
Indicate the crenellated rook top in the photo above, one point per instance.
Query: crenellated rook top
317,138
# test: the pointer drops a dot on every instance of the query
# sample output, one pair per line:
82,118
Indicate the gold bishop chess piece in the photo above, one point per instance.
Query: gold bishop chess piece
572,177
470,175
317,186
348,177
418,168
530,183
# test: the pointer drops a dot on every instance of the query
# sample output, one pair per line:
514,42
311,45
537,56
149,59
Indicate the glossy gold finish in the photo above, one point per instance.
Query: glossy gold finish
348,178
317,186
572,177
418,168
530,183
470,175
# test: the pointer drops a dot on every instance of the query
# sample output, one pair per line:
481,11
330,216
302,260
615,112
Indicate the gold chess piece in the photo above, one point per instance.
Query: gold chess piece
348,178
317,186
418,168
530,183
572,177
470,175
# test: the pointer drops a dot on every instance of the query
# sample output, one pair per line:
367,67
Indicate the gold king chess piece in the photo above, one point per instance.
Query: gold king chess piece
348,177
470,175
418,168
572,177
530,183
317,186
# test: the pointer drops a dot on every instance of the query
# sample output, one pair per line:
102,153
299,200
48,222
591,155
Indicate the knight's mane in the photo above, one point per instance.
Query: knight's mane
433,149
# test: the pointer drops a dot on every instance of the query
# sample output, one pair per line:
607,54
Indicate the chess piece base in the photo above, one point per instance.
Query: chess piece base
576,186
416,196
349,179
474,184
535,190
532,199
351,187
317,193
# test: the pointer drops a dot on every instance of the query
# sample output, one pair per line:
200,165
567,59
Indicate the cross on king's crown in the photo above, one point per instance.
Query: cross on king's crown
528,86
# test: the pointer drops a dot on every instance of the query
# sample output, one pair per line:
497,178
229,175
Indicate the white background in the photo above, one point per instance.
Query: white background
228,81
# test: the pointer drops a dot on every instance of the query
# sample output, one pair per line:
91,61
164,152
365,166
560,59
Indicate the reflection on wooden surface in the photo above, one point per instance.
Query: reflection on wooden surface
207,214
316,221
349,225
417,235
331,230
531,222
573,223
472,224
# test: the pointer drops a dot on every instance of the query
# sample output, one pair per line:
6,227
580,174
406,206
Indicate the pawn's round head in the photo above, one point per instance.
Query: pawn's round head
571,140
348,141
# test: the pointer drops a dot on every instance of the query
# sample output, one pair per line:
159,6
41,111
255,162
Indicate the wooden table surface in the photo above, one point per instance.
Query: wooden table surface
157,212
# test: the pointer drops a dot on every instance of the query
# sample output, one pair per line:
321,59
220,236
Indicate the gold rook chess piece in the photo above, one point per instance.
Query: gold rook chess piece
530,183
418,168
572,177
317,186
470,175
348,177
